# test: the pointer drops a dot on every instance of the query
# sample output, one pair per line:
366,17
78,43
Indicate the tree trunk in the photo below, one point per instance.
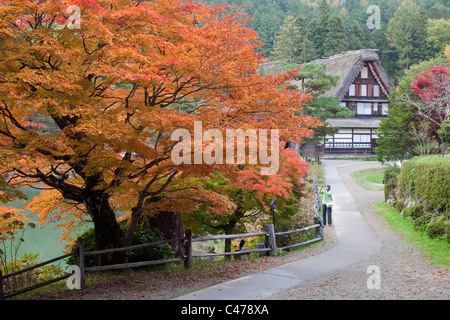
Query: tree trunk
107,230
228,228
169,223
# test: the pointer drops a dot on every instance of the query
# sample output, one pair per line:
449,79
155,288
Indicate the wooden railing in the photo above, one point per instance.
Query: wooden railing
270,249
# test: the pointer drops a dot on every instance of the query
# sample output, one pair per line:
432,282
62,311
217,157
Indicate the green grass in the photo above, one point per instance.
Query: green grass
437,250
369,179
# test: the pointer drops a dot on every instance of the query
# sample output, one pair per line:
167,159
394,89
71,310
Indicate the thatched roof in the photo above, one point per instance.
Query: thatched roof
347,65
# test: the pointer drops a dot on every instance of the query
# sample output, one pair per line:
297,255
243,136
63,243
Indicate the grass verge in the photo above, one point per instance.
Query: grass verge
370,179
437,250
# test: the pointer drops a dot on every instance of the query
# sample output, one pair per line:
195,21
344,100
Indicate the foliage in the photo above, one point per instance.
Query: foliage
31,277
303,217
113,89
140,236
427,179
336,40
395,140
416,112
390,179
419,191
439,228
251,194
12,222
444,131
426,31
285,42
407,35
438,33
433,88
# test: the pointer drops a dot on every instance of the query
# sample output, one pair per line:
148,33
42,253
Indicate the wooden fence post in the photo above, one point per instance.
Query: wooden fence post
270,240
319,232
188,248
80,262
1,286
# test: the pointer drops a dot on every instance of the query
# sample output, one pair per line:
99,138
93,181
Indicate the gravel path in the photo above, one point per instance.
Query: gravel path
404,272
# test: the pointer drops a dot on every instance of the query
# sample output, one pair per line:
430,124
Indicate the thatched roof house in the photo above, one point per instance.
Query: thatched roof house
363,87
348,65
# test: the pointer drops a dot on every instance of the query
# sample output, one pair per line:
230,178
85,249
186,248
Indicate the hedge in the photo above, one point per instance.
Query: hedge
428,179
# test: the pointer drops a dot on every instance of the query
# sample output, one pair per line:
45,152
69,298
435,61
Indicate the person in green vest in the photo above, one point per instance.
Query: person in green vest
327,203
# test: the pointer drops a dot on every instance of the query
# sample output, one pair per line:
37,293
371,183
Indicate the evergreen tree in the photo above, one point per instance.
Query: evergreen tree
407,34
336,40
285,44
321,28
388,57
396,140
357,37
438,33
306,51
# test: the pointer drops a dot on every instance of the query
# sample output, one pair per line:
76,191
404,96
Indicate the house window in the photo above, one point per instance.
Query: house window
364,108
351,91
364,73
364,138
376,90
364,90
384,109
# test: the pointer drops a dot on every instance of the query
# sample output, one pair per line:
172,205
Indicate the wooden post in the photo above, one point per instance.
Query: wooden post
319,220
80,262
1,286
188,248
270,240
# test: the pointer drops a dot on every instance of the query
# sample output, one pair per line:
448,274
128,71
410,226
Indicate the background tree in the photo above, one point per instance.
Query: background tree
336,40
306,52
433,90
320,30
407,35
438,33
293,43
396,141
285,43
405,132
357,37
269,15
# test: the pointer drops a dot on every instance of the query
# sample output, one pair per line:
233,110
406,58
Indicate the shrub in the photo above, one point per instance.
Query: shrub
421,222
398,205
413,212
140,236
30,278
390,182
427,179
444,132
439,228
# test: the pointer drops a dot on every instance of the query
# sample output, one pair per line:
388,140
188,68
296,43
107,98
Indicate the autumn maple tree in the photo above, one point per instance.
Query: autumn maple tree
251,193
433,90
114,87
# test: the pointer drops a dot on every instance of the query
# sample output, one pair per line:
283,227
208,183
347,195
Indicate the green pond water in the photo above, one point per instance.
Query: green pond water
43,239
